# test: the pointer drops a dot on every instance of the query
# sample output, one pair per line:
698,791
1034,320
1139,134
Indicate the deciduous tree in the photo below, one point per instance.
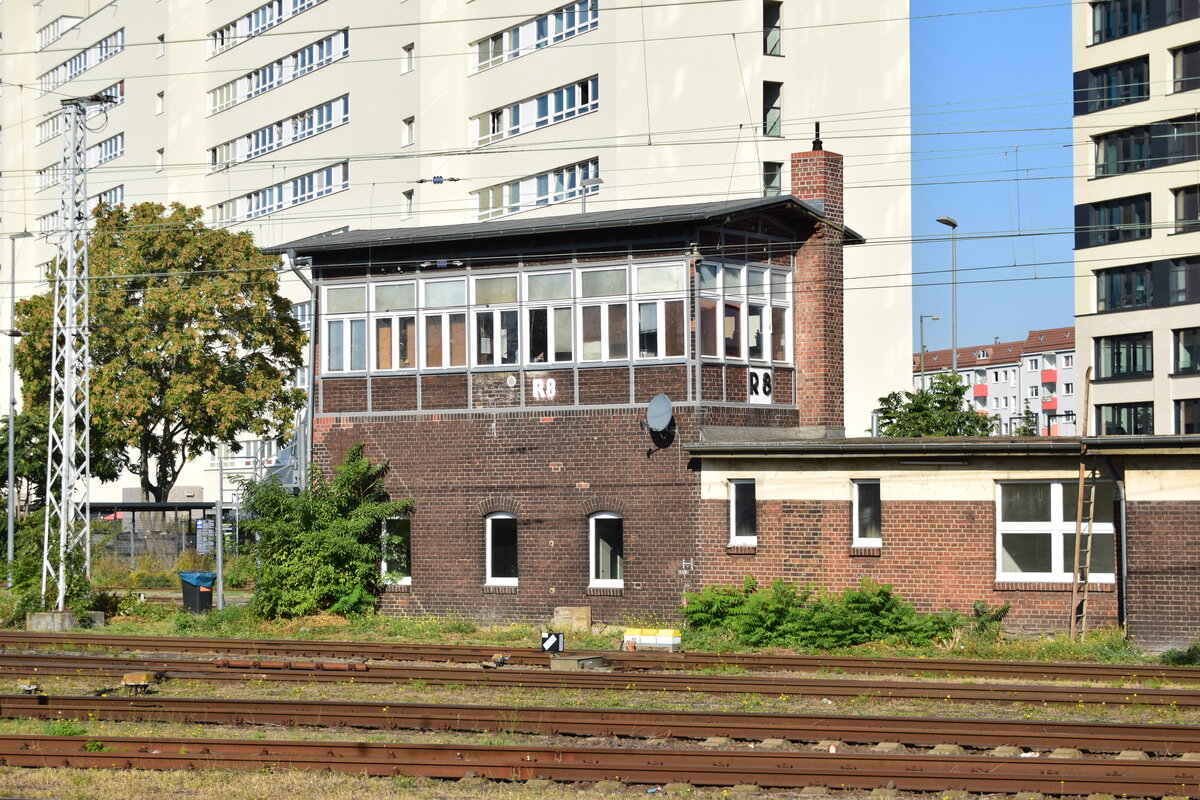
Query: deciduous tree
191,343
939,410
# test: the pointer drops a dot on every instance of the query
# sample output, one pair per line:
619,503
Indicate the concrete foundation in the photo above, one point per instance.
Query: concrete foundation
50,621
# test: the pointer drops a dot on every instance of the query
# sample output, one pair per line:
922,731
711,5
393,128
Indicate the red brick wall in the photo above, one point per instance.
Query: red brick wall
936,554
1164,573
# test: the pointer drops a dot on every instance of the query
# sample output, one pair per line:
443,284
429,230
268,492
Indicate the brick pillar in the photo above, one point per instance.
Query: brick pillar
817,324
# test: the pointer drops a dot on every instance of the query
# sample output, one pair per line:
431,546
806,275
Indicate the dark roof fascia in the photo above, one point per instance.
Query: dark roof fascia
696,213
967,446
1180,444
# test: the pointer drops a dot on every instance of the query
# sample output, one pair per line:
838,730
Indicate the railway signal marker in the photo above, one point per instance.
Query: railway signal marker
553,642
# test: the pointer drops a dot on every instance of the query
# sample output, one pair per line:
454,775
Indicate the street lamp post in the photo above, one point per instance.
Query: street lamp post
584,185
953,225
12,334
921,324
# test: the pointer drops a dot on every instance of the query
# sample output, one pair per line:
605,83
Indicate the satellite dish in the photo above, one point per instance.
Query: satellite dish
658,413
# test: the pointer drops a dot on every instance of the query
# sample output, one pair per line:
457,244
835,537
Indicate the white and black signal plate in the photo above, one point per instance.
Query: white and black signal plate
553,642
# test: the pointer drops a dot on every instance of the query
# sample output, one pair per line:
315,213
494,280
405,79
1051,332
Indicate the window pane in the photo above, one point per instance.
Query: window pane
603,283
383,344
648,330
779,286
755,333
346,301
538,335
756,283
660,279
1102,505
407,341
335,345
446,293
433,341
610,548
508,337
708,327
733,280
504,547
869,524
745,518
458,340
1025,502
358,344
1025,552
674,328
618,331
733,330
496,290
592,345
708,276
485,352
779,334
397,548
1103,555
563,341
550,287
395,297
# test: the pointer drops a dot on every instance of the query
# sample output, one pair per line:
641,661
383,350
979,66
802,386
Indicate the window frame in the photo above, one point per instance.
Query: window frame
736,540
1056,529
856,539
488,578
604,583
383,551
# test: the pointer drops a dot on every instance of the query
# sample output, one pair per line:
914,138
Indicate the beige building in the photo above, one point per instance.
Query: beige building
292,118
1137,213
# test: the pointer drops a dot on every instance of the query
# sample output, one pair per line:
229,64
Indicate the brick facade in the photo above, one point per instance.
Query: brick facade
1164,573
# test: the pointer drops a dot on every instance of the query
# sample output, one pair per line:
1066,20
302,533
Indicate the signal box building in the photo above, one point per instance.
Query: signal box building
505,370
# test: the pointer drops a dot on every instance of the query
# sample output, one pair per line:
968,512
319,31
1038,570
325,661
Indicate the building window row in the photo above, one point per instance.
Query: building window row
280,134
546,188
49,176
1121,220
1125,419
110,197
1035,525
595,315
105,151
282,195
1154,285
1172,141
559,25
1186,343
260,19
1129,356
1113,19
1112,85
82,61
51,33
557,105
1187,416
51,127
501,550
273,75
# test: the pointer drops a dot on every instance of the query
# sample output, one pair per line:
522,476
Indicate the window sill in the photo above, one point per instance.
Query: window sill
1191,373
492,588
866,551
741,549
605,591
1043,586
398,588
1141,376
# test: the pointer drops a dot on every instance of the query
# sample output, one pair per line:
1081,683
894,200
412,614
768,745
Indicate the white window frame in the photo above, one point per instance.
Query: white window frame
447,349
347,349
604,583
856,539
414,344
1032,365
1056,529
489,579
734,539
1068,360
659,303
383,570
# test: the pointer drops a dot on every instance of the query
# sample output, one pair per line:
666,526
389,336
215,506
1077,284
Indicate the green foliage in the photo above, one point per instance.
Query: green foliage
229,621
65,727
320,550
1186,657
96,746
192,345
27,576
987,620
940,410
239,571
1028,426
781,615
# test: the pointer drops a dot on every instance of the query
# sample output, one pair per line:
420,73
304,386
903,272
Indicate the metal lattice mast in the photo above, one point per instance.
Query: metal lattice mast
68,463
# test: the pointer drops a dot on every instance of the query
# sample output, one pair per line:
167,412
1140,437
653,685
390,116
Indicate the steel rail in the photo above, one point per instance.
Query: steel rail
102,666
643,660
629,723
699,767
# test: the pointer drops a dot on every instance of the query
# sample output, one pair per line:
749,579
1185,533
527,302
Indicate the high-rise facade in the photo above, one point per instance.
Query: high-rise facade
1137,196
293,118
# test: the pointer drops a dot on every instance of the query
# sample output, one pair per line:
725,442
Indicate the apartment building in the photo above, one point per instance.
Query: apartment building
1137,261
1005,378
295,118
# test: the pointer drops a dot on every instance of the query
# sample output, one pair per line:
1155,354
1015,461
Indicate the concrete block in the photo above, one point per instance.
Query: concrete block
889,748
1007,751
50,621
1190,757
679,788
717,741
773,744
576,663
575,618
947,750
97,618
1065,752
1133,755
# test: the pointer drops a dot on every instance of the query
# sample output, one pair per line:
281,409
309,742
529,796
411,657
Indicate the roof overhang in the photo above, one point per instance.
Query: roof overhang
939,447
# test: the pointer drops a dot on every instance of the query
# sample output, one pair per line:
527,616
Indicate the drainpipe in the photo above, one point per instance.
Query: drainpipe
1123,565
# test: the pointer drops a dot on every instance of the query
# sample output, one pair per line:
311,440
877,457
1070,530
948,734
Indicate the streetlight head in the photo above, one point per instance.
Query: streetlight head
935,318
588,183
950,221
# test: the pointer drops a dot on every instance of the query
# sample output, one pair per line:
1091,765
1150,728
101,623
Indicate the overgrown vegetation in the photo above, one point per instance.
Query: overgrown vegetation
939,410
783,615
1185,657
320,549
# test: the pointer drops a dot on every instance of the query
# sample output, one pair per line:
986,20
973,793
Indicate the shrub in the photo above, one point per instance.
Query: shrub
190,560
239,571
1182,658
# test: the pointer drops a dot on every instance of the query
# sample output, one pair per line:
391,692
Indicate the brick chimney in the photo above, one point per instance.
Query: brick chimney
818,337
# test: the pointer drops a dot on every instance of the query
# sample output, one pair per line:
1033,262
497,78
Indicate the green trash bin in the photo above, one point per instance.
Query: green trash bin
197,590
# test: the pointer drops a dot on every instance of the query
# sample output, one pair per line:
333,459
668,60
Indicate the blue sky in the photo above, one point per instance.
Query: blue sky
991,122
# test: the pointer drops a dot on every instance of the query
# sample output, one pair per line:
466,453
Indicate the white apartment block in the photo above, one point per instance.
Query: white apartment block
1137,213
292,118
1005,378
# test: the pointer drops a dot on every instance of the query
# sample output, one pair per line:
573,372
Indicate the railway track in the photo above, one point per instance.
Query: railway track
626,723
274,648
988,774
226,669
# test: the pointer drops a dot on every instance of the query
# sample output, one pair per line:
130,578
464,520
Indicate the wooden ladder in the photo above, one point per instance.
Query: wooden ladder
1085,512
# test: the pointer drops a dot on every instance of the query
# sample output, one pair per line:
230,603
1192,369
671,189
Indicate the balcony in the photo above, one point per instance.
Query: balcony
980,390
1049,403
1049,376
